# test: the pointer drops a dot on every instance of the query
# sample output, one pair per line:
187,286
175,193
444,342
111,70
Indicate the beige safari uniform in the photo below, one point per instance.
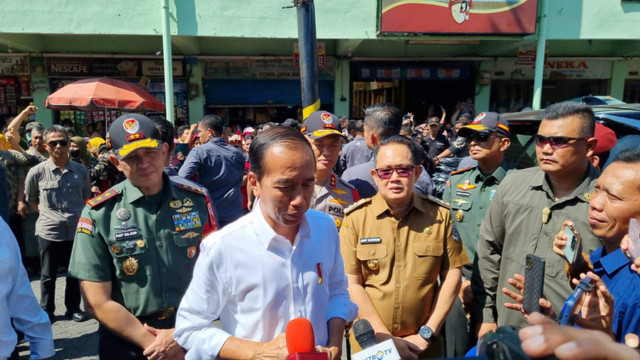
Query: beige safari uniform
333,197
400,261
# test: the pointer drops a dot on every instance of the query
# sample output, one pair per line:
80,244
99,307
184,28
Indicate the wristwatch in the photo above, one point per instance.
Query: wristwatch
427,333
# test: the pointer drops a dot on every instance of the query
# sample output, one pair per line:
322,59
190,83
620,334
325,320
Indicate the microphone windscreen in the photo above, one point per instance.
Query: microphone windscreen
300,338
364,334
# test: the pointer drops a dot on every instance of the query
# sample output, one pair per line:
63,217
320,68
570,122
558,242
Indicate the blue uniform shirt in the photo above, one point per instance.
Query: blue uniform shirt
220,168
624,284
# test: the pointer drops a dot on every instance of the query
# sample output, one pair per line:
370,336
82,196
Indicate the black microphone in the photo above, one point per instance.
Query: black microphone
366,338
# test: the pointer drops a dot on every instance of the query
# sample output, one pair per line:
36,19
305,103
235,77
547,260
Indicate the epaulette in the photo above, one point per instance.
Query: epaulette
437,201
461,170
356,205
193,189
93,202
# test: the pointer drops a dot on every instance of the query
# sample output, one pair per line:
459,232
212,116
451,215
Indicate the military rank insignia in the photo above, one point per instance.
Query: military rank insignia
130,266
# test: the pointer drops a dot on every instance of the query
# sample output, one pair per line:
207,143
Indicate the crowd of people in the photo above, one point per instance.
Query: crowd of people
420,227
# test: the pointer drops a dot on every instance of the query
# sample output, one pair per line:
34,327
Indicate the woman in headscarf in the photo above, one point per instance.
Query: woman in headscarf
78,150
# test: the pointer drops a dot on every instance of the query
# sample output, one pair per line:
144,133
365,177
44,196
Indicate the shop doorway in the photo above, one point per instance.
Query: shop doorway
425,97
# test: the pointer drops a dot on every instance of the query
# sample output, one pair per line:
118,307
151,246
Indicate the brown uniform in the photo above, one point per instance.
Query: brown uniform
400,261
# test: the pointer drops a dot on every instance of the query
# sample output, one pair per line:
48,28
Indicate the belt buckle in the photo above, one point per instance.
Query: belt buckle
166,313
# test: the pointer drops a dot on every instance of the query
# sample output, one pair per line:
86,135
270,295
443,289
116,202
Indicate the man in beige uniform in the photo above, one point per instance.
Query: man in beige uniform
396,246
331,194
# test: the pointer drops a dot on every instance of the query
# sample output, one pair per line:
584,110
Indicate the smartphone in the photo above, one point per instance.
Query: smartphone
406,117
573,244
182,148
533,283
634,238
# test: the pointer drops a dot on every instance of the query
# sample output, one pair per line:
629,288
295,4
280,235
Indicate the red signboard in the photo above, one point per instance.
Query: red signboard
509,17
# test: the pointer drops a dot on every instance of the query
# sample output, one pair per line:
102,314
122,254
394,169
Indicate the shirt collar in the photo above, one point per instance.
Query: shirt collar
133,193
379,205
611,262
582,191
498,174
217,140
266,234
51,166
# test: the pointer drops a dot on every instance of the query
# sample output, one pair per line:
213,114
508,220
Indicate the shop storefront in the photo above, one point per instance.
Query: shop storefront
417,87
632,82
15,84
260,90
564,78
145,72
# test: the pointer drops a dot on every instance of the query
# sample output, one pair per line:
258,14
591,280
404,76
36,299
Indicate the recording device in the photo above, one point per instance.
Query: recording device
585,285
573,244
301,342
182,148
366,338
634,238
503,344
406,117
533,283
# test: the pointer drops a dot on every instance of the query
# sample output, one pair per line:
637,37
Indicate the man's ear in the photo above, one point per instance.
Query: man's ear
252,178
504,144
591,145
114,160
374,139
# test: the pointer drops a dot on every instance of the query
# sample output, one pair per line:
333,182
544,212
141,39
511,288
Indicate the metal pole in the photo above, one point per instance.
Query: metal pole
542,42
168,63
308,56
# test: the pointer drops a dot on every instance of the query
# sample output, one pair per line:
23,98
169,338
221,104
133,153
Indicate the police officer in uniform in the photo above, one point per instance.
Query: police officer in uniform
136,245
331,194
469,191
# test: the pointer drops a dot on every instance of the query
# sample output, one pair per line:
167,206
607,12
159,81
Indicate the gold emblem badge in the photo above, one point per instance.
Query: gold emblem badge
587,196
183,210
130,266
140,243
338,222
339,201
339,191
373,265
466,186
175,204
190,235
191,252
187,202
459,215
428,230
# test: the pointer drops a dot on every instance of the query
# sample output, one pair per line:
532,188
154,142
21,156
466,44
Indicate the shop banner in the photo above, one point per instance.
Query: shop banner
320,51
507,17
86,67
14,65
279,68
156,68
412,73
554,69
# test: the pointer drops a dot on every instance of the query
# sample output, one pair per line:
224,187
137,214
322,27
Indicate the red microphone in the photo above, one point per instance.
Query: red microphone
301,341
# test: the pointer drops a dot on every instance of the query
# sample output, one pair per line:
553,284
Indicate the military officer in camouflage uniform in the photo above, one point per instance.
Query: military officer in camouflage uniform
469,191
136,245
331,194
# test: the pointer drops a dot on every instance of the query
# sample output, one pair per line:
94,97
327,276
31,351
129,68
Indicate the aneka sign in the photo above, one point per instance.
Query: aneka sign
554,69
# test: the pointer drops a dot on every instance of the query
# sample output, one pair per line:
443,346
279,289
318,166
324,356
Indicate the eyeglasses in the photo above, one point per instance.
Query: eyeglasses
556,142
480,136
54,143
402,171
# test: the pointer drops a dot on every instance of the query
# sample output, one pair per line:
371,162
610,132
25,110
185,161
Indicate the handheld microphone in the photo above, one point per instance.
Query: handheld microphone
301,342
366,338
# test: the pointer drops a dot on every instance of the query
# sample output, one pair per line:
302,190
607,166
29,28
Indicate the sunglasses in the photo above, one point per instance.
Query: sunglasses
556,142
479,136
54,143
402,171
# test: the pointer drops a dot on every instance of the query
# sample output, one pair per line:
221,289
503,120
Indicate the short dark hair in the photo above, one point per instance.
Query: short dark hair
383,119
275,136
213,122
629,156
417,153
182,128
166,130
54,129
571,108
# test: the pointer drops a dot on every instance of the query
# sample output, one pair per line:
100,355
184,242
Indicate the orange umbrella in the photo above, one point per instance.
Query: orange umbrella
103,93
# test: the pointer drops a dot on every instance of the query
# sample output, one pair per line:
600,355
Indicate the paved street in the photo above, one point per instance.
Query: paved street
72,340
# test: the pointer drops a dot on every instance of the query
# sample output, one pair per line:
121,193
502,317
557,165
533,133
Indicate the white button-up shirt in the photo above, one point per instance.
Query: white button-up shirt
18,302
256,282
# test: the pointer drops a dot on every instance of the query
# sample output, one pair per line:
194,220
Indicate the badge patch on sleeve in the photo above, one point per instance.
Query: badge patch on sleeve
186,221
85,226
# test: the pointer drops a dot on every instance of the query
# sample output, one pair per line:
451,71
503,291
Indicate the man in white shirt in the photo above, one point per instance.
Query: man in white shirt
18,303
277,263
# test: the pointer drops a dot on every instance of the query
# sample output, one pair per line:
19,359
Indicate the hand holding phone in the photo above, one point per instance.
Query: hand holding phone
533,283
572,248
